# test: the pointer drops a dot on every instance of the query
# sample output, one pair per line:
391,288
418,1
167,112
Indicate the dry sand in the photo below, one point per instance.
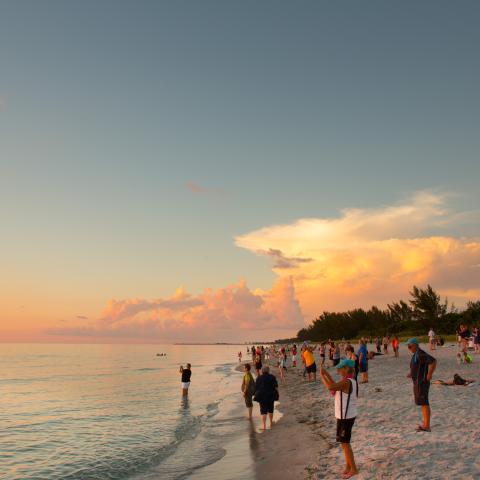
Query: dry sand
386,445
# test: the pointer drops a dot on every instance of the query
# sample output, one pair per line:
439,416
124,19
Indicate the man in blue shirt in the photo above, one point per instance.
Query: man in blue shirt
422,366
362,355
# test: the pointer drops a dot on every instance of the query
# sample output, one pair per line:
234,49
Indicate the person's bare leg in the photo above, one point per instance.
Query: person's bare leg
250,412
347,465
264,422
426,416
184,392
270,417
349,458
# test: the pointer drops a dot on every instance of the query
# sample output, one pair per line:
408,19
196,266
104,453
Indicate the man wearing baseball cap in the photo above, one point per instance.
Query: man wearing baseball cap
422,366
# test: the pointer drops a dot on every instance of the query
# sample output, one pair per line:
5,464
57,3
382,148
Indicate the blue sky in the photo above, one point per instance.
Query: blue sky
291,109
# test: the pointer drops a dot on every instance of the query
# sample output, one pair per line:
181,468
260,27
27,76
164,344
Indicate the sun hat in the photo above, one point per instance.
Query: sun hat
346,362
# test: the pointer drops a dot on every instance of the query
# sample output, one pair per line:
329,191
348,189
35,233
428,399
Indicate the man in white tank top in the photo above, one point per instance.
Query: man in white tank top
346,393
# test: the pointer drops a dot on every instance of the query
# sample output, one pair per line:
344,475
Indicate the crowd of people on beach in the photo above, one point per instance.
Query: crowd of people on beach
352,366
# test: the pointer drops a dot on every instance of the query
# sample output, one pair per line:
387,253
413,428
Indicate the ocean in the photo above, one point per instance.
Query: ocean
116,412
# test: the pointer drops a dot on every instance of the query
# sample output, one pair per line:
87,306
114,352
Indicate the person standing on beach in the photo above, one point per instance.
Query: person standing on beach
385,345
422,366
266,392
258,364
431,338
363,360
186,375
346,393
294,356
248,389
395,346
309,361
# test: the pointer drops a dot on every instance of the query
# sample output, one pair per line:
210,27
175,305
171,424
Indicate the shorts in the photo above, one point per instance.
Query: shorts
312,368
185,385
344,429
363,368
248,401
266,407
420,392
336,361
258,366
322,355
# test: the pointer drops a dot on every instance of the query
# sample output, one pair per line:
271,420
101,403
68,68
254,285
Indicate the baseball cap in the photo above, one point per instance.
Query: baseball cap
346,362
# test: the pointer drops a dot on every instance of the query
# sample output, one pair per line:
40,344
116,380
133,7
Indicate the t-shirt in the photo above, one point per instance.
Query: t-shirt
419,365
265,387
308,357
186,374
431,334
363,349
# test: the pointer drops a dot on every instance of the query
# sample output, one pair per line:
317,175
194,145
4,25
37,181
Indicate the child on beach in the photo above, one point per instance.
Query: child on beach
346,393
248,389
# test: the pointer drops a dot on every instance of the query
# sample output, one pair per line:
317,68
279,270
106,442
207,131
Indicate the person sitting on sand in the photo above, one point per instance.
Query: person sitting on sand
346,393
248,388
457,381
266,392
422,366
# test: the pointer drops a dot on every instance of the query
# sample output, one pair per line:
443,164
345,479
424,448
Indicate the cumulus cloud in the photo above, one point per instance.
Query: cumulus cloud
230,313
360,258
371,256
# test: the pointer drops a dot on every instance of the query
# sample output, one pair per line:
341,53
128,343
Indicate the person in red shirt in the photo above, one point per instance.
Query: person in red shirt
395,346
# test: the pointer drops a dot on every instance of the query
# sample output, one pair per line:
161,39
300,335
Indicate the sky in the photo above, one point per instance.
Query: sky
226,171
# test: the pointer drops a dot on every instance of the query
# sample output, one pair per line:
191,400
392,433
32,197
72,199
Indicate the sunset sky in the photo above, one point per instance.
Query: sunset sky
219,170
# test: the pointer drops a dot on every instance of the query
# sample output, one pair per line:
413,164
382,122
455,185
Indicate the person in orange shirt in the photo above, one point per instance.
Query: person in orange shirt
309,361
395,346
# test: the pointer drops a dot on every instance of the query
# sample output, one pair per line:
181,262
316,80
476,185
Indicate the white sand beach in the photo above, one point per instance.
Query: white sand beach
384,440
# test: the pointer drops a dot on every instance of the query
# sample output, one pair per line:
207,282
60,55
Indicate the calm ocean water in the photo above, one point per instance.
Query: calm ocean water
115,411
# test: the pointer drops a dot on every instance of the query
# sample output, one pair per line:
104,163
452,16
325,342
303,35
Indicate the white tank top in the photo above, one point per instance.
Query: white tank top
352,405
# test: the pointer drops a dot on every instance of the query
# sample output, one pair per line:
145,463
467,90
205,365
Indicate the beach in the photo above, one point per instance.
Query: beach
384,439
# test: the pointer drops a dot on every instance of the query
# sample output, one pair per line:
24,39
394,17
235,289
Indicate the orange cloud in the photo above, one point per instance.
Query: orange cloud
231,313
367,257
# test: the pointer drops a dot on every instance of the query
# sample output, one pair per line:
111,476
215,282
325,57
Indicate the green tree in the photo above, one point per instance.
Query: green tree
427,306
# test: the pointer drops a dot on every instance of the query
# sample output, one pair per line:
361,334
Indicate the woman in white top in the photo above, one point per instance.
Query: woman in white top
346,393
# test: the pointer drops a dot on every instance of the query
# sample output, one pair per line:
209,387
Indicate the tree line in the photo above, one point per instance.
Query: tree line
423,310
